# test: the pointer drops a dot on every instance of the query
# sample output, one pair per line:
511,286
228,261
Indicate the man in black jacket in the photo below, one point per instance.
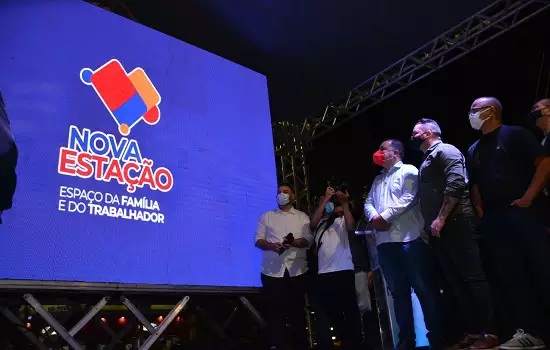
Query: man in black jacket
8,161
449,221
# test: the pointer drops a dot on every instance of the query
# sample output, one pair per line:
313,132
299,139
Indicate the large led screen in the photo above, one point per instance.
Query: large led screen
142,159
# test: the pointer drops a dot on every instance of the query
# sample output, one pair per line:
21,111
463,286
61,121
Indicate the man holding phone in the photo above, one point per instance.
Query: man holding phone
284,267
333,223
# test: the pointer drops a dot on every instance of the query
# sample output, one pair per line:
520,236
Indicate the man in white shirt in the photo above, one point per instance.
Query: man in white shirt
284,266
332,223
406,261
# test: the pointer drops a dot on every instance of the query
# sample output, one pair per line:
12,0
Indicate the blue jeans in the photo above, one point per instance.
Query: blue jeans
410,265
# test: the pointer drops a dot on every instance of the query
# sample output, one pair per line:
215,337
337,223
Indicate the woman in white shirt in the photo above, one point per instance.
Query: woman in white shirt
331,225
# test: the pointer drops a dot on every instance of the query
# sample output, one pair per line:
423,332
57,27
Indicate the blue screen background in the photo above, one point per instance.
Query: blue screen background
214,135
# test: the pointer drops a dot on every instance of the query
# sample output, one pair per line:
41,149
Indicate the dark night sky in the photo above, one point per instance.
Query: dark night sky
507,68
312,51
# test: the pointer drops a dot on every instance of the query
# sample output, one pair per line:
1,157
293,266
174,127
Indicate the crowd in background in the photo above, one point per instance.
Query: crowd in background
498,191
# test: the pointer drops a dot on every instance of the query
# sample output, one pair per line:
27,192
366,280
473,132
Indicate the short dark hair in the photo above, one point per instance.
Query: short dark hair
398,146
431,125
287,184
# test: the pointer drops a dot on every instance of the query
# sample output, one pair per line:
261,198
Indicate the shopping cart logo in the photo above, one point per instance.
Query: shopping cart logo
129,97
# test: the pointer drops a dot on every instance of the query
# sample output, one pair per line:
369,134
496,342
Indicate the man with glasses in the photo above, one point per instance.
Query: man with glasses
508,170
448,216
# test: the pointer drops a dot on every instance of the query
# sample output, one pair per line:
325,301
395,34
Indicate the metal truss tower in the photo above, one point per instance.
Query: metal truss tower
292,141
291,162
489,23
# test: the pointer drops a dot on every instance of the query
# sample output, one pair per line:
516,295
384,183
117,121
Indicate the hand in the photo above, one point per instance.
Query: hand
437,226
370,279
379,223
276,247
342,197
423,234
329,193
522,203
479,211
287,244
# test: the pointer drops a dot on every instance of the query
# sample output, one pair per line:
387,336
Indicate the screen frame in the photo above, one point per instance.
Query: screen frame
43,285
76,285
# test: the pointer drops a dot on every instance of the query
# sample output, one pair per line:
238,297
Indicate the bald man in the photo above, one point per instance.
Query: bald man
8,160
508,169
540,115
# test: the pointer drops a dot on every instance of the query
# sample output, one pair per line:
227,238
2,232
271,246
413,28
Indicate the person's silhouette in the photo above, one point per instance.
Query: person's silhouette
8,161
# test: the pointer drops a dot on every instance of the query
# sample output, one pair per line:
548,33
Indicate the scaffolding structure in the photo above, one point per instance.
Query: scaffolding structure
475,31
78,312
291,160
293,141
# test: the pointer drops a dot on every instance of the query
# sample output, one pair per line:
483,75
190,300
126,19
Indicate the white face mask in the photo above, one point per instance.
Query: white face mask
283,199
475,121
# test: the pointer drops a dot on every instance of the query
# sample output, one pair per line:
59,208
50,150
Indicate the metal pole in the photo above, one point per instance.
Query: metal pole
165,323
138,314
28,334
93,311
52,322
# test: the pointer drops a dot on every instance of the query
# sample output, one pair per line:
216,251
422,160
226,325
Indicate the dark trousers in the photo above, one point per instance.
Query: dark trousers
323,335
407,265
337,292
8,178
285,298
458,255
518,256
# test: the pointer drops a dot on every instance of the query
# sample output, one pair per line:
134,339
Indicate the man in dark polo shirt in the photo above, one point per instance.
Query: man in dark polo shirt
508,170
8,161
448,216
540,116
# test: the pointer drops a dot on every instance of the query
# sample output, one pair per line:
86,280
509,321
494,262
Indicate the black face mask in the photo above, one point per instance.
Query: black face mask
416,142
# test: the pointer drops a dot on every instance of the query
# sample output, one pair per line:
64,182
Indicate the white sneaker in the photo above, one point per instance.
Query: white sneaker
523,341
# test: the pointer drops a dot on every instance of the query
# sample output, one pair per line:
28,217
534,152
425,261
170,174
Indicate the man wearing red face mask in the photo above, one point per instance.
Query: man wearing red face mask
405,259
